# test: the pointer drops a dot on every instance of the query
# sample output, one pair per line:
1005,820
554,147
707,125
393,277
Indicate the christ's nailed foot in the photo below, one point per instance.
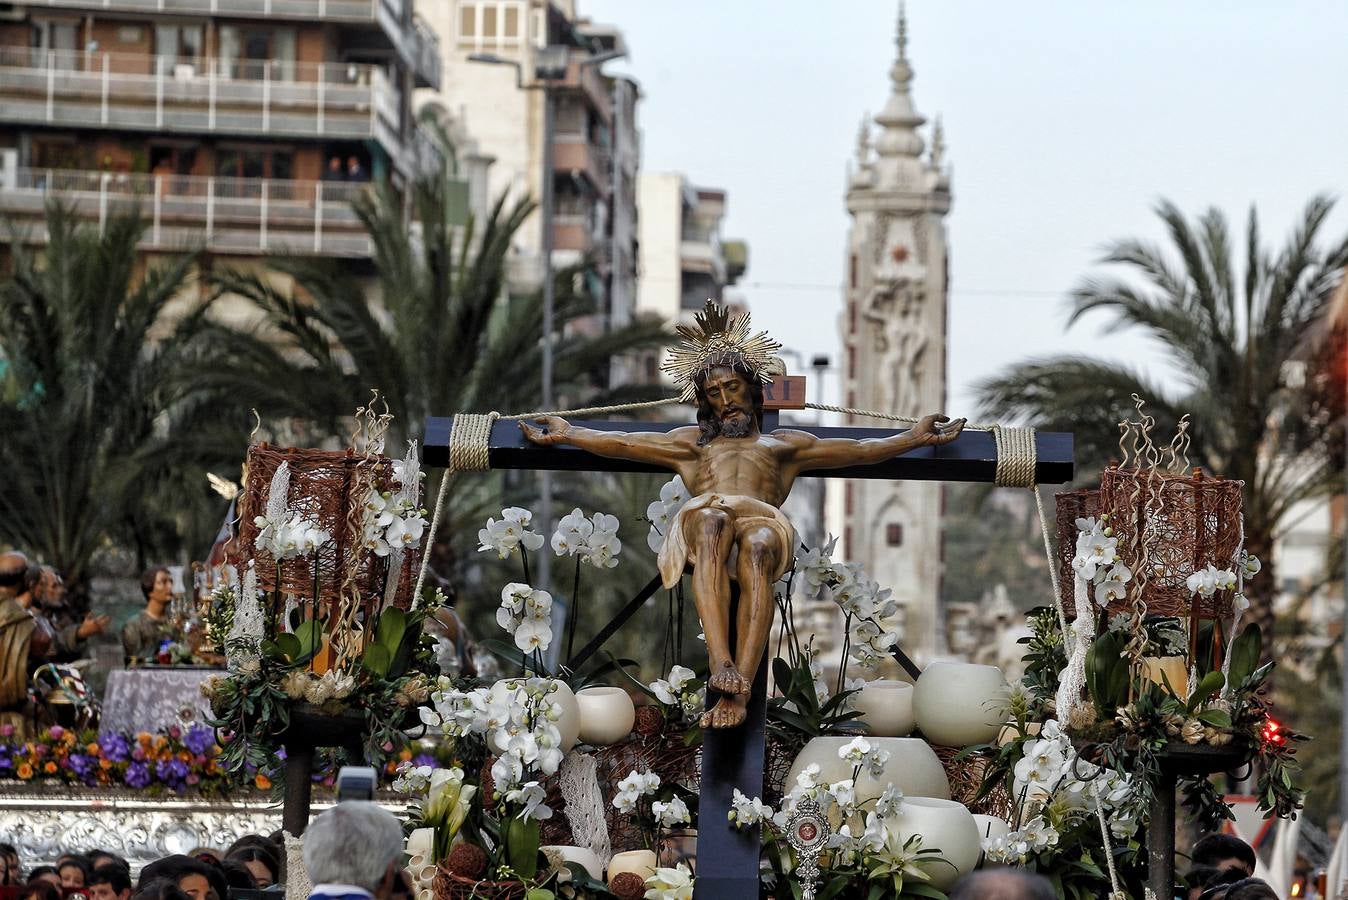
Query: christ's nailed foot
727,713
726,679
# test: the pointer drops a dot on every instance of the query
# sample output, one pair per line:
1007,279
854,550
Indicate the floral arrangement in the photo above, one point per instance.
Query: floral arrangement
176,759
867,851
358,656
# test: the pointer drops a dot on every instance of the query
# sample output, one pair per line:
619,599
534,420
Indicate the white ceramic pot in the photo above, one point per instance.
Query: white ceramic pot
421,842
944,825
586,857
886,707
568,726
958,704
991,827
606,715
912,767
640,862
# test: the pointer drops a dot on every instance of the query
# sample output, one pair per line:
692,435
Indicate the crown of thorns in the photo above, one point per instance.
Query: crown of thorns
716,338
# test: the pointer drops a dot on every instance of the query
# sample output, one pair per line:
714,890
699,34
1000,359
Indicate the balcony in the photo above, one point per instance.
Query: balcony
232,216
417,44
589,83
342,101
575,153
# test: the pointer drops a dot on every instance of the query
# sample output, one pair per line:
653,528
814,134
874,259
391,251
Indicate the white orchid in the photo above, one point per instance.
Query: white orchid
510,534
1208,581
534,634
531,797
670,884
746,811
671,813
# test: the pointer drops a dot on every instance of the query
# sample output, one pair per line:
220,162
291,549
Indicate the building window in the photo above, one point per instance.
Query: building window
490,24
178,44
852,271
894,534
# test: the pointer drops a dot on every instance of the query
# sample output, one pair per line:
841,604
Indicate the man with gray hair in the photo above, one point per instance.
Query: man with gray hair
1003,884
353,852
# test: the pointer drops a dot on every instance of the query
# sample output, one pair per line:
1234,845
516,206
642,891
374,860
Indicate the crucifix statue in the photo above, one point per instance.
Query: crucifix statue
733,528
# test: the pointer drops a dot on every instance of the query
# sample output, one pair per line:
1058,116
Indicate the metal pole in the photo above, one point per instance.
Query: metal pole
545,212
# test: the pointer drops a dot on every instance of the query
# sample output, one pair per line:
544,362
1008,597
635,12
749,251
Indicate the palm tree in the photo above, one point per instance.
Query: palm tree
444,336
95,408
1234,337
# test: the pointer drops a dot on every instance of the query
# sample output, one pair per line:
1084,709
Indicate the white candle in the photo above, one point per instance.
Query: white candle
639,862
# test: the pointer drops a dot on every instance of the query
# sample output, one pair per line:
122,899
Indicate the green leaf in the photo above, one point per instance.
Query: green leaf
1207,687
522,840
402,656
288,646
539,893
1217,718
375,660
310,636
1245,652
388,630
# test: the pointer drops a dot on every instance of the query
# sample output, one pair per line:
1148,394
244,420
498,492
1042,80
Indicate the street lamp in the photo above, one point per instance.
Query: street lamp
550,66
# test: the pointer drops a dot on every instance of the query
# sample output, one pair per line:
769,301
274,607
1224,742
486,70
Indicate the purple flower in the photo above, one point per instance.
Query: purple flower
83,766
198,739
423,759
173,772
115,746
137,775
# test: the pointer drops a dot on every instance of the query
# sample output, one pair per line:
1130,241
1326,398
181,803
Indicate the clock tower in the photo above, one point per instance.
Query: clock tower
893,328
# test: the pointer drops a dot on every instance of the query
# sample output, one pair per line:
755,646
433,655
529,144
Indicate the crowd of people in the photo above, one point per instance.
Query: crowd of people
353,851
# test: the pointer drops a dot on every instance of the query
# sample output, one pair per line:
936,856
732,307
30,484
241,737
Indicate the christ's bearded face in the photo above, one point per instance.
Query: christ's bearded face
727,393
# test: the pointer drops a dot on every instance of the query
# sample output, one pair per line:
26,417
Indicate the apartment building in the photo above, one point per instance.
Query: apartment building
249,124
500,59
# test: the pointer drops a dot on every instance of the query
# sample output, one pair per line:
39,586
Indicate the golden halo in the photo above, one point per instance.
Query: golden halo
716,334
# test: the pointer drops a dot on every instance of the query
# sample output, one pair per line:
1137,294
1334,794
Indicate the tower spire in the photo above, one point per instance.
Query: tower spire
901,36
864,140
898,120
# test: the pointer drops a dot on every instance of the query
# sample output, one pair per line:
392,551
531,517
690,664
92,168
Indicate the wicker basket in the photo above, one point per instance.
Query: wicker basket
1198,522
324,486
448,886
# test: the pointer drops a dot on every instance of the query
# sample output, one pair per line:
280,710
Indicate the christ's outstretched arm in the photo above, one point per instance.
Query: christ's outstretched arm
834,453
670,449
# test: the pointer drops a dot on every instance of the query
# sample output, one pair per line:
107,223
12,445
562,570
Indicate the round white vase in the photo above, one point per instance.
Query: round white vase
606,715
958,704
886,707
587,858
640,862
568,727
912,767
991,827
943,825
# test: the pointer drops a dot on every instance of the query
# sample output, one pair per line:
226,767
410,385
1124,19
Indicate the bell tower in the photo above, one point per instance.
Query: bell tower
893,329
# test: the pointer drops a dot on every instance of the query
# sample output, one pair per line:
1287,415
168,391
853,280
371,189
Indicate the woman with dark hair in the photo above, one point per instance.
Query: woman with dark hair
159,889
142,635
74,873
193,877
259,861
47,874
42,889
10,870
267,843
237,876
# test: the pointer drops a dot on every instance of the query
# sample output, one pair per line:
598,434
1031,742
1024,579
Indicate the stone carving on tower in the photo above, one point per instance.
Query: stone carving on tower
893,331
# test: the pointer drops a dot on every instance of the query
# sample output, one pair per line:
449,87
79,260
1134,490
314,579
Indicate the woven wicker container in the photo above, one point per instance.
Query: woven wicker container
324,487
448,886
1197,523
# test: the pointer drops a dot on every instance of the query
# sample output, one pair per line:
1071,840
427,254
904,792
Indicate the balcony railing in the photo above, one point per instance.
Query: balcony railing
418,44
227,215
160,93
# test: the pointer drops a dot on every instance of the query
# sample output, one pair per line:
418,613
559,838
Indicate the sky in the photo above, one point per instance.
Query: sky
1065,122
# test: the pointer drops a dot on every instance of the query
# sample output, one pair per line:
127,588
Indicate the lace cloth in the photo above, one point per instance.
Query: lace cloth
152,698
298,885
579,784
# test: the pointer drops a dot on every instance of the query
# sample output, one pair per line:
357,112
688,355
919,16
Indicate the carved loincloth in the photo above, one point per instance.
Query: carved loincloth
745,512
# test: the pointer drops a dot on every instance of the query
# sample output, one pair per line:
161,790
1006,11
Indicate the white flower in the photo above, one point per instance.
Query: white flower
531,797
670,884
1250,564
675,812
746,811
855,752
534,634
889,802
507,772
406,532
1240,602
673,493
510,534
844,794
816,566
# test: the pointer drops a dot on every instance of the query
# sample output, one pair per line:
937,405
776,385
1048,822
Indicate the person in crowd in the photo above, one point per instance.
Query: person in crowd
103,858
237,876
40,890
1244,889
1224,851
16,638
208,855
334,170
142,635
354,170
259,861
193,877
109,882
353,851
273,844
74,872
1203,879
47,874
43,595
159,889
10,868
1003,884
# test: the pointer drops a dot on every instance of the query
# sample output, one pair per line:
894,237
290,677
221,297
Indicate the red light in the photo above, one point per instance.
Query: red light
1272,732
